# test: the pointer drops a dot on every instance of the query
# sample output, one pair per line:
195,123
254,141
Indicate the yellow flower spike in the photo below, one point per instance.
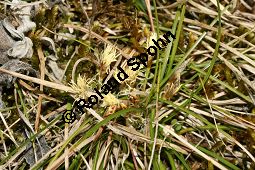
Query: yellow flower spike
82,86
149,42
123,106
132,74
110,100
108,56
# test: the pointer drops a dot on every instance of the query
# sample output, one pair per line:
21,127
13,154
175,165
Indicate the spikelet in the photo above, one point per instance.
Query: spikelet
110,100
149,41
132,74
108,56
82,87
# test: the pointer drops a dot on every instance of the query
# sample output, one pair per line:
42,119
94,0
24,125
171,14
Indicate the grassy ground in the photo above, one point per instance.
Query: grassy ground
192,107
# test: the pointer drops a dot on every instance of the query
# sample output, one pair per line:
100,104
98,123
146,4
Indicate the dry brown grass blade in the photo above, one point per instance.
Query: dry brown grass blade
24,84
174,5
8,129
135,135
39,81
42,70
21,150
66,149
148,5
184,141
71,151
133,155
221,7
230,49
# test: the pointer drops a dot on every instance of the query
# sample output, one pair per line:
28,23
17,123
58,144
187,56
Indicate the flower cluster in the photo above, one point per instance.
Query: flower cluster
112,83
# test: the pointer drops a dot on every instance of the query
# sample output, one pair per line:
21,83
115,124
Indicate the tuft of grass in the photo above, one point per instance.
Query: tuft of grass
191,108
